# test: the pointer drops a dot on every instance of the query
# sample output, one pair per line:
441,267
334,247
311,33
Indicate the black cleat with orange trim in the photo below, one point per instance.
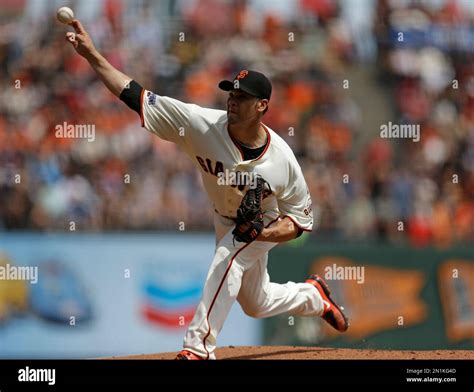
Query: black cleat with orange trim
186,355
332,312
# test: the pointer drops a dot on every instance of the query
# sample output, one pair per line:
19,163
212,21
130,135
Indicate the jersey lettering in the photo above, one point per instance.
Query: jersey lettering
201,162
207,166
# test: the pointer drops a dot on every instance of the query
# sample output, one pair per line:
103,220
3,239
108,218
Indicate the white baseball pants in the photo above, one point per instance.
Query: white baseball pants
239,271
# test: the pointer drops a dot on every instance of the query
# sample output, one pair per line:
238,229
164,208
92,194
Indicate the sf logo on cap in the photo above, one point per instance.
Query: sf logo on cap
242,74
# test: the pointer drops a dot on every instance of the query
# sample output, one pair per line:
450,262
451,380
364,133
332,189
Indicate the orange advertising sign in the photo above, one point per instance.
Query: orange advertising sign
375,298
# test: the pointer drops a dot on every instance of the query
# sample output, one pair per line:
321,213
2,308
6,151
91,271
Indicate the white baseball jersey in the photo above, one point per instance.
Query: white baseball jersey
202,133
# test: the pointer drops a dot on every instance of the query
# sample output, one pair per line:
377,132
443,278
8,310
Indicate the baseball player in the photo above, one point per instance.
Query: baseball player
272,206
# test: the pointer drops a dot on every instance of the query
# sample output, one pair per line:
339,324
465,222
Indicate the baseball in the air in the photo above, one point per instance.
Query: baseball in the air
65,15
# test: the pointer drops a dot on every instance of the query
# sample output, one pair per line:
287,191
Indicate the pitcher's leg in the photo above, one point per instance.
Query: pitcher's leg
220,291
261,298
222,283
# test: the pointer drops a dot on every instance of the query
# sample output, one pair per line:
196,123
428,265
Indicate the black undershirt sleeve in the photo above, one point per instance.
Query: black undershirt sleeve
131,95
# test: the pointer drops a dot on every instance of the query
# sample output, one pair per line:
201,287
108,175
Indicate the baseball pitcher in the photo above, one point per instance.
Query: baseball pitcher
259,195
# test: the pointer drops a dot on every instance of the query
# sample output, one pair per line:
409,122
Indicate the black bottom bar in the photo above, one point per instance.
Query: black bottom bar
444,374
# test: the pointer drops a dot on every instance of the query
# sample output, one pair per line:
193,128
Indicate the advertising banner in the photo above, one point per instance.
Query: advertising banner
94,295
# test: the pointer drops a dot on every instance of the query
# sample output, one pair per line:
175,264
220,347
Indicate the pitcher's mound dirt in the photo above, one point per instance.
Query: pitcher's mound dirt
293,352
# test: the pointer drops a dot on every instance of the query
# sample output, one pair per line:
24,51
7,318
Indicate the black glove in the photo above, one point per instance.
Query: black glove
249,221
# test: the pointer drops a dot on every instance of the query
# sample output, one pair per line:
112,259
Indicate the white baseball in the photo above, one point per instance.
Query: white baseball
65,15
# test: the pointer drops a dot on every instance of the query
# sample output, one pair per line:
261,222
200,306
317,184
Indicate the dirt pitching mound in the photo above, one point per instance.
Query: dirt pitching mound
298,352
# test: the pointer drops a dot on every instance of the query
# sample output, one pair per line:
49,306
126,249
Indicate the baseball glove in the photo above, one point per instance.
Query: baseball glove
249,221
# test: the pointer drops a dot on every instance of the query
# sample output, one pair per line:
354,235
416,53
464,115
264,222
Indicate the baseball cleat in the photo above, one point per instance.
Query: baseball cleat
186,355
332,312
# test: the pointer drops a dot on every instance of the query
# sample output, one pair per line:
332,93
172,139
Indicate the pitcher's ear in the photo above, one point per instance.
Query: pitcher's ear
262,105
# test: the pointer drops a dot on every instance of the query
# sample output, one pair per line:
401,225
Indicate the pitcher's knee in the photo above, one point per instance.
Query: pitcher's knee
253,310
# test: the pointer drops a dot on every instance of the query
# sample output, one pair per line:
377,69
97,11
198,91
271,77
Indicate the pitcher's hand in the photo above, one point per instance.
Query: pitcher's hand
80,40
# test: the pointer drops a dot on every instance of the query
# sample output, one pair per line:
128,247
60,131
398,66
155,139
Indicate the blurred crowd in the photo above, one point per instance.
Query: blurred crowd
425,54
395,190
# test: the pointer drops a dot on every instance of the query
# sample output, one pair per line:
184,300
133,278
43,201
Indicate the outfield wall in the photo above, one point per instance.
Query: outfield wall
406,299
119,294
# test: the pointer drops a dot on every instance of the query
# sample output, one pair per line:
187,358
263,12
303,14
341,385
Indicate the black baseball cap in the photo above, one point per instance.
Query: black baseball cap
250,82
